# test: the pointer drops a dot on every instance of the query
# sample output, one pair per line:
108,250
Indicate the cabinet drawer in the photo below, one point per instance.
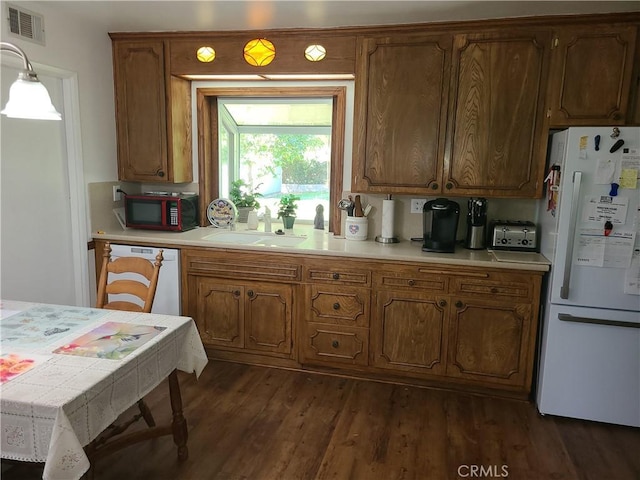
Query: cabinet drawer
332,344
339,306
414,278
337,276
238,266
496,286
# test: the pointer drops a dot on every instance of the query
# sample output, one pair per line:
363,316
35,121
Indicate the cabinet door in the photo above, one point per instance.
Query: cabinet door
591,75
490,342
408,332
268,317
220,312
140,110
497,127
400,110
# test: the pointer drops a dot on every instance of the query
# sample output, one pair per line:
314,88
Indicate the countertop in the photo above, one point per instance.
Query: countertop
321,242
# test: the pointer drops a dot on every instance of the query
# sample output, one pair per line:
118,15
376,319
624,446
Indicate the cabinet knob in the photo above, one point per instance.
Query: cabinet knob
442,303
335,344
434,186
236,293
160,173
250,293
617,116
411,283
449,186
459,304
336,306
336,276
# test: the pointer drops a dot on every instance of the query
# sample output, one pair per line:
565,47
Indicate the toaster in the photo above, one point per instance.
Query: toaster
514,235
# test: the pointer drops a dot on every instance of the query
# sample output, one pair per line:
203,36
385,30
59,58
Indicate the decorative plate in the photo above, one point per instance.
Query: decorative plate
221,212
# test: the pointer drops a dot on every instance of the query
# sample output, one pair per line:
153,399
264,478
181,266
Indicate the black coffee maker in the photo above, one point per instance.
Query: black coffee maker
440,225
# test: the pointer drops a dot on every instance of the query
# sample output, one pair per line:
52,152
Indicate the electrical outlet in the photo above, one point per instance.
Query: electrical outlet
417,204
117,196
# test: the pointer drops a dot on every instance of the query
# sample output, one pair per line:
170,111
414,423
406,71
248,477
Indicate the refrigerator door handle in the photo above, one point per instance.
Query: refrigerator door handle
565,317
573,219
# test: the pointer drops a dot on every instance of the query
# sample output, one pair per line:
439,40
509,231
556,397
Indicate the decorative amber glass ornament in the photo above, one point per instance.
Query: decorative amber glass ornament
206,54
315,53
259,52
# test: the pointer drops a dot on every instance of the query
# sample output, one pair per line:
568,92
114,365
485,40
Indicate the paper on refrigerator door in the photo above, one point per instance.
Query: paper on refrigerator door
632,275
595,249
604,208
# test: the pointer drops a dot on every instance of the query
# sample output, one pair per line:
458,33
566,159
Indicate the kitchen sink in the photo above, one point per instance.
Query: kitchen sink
256,238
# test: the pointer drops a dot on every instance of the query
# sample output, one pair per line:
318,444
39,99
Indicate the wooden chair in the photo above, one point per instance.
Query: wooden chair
144,291
136,265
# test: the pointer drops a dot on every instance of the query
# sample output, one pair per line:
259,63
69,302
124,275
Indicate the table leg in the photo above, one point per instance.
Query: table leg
179,424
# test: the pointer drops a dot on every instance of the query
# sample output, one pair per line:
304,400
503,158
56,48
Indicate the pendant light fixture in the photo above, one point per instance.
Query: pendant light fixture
28,98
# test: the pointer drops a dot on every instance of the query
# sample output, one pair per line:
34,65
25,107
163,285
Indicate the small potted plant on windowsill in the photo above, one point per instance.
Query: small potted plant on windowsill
244,198
287,209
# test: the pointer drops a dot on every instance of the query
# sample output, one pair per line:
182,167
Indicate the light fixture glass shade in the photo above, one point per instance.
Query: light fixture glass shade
259,52
29,99
315,53
206,54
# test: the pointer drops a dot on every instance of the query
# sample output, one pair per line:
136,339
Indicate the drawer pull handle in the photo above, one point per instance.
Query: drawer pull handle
335,344
411,283
336,276
250,293
442,303
459,304
336,306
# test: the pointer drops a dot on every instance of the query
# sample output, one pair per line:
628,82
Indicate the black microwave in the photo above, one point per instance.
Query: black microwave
153,211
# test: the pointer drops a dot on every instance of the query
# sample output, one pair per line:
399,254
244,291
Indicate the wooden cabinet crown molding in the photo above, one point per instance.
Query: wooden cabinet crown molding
551,21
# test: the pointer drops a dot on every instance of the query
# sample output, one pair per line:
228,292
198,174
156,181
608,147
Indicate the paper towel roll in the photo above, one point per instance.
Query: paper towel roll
388,207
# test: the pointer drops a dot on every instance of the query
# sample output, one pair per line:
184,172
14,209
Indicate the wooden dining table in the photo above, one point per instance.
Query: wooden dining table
67,373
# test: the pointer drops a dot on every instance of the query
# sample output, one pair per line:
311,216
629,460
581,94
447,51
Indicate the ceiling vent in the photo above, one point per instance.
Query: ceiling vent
25,24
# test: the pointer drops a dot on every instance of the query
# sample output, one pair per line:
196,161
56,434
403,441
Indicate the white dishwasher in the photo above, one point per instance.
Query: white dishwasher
167,299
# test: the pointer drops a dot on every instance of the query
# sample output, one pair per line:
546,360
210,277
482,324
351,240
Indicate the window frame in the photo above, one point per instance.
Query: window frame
207,133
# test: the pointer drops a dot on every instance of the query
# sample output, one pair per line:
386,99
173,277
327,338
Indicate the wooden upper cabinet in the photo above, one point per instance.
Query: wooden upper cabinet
401,96
153,115
591,75
497,132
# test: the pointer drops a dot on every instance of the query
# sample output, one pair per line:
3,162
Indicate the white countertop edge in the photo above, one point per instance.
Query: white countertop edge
323,243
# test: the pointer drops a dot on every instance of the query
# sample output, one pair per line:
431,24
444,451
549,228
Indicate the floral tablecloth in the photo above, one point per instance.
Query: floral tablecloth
51,411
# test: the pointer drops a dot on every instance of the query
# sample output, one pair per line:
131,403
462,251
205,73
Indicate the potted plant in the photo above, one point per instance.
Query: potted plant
287,209
244,198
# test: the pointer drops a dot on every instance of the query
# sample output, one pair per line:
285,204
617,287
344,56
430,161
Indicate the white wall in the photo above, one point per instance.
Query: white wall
79,47
80,54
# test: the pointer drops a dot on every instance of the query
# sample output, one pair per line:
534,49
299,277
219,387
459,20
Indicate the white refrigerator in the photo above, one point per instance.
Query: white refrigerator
589,363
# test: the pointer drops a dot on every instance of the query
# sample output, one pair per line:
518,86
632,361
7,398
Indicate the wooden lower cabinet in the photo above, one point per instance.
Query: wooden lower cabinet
323,343
253,316
335,320
409,333
241,302
220,312
460,327
471,328
490,342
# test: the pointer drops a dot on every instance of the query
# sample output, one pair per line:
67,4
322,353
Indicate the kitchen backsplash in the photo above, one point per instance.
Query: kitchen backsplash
101,202
406,225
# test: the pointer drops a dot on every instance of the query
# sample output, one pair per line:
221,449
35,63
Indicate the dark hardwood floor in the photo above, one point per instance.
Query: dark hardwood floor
249,422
